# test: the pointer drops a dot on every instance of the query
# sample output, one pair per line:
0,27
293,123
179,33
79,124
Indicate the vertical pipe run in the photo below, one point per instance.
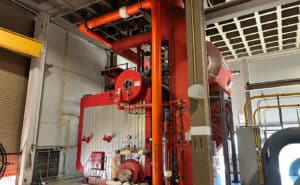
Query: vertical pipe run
138,48
156,95
139,61
233,148
166,151
225,139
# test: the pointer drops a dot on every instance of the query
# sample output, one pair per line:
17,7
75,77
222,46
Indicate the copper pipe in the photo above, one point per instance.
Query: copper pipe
139,106
118,101
156,95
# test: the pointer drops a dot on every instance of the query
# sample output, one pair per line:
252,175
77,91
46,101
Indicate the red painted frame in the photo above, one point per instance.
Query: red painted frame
104,99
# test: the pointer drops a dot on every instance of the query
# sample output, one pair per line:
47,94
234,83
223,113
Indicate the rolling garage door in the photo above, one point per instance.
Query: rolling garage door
14,70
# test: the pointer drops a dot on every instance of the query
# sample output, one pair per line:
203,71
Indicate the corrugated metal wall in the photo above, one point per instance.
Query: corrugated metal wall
104,119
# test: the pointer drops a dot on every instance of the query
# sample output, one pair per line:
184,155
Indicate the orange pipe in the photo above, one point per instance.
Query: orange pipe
115,15
132,41
156,95
135,40
99,38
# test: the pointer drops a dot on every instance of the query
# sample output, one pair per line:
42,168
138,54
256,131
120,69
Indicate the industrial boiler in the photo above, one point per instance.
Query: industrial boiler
125,135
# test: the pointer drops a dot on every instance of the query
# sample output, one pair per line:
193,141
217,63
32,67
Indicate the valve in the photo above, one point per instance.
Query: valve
87,138
108,137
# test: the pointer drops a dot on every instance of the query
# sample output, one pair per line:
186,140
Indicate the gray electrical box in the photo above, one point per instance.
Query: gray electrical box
247,156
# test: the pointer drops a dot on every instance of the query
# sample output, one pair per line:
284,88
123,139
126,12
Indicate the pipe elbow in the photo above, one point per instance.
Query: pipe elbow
82,28
146,4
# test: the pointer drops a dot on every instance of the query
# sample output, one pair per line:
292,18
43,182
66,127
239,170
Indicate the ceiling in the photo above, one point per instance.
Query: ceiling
259,32
266,31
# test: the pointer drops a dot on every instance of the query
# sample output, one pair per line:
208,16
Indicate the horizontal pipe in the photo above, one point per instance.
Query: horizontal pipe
179,102
139,106
132,56
272,107
83,29
272,84
115,15
132,41
127,43
135,40
246,105
129,55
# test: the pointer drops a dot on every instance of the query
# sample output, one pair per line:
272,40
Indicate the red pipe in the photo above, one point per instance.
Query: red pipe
138,48
156,95
133,41
129,55
79,166
178,3
180,147
83,28
130,42
132,56
115,15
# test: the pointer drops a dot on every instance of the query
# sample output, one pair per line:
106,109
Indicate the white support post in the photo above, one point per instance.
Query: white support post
260,32
32,106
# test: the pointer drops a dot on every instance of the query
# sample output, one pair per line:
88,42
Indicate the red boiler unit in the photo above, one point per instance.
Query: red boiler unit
148,105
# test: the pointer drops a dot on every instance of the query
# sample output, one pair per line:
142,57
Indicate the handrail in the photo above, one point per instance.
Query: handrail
248,101
272,107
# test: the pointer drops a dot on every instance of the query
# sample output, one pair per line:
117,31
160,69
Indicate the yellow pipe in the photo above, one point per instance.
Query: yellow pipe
263,96
19,43
272,107
257,137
